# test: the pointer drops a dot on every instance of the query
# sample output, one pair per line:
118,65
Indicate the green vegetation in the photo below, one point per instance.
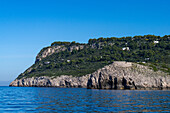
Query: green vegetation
153,51
66,43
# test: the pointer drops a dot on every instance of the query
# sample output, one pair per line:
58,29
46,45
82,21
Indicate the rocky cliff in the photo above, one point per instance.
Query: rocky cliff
56,49
118,75
89,65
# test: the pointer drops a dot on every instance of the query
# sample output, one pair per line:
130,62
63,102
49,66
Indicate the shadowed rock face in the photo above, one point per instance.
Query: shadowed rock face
119,75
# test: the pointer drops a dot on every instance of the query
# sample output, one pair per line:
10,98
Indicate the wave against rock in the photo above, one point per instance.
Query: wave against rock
118,75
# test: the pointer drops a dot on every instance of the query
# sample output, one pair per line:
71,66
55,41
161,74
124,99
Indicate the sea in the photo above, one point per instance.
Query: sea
77,100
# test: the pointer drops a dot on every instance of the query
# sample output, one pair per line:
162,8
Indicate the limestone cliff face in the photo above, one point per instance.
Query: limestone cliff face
55,49
44,81
127,75
118,75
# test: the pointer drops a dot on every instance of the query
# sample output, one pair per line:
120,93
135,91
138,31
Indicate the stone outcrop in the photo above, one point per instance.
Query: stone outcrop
127,75
118,75
56,49
44,81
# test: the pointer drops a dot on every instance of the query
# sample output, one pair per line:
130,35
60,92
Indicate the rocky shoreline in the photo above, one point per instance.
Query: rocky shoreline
118,75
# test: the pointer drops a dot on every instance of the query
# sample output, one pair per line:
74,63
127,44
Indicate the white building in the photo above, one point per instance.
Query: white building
48,62
125,48
156,42
68,61
147,58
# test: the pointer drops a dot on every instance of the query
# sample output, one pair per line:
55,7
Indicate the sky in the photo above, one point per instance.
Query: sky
26,26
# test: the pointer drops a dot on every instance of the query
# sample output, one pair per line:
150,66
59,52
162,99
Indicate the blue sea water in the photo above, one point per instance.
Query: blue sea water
42,99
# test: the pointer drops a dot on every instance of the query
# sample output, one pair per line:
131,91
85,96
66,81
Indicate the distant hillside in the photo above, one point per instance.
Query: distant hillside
76,59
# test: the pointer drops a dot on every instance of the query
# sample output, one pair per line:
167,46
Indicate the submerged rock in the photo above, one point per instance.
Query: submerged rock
118,75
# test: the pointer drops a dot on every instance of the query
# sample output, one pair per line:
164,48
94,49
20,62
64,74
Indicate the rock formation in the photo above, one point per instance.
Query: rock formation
55,49
118,75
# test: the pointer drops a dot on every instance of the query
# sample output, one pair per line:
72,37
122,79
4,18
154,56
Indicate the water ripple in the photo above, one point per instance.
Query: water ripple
34,99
